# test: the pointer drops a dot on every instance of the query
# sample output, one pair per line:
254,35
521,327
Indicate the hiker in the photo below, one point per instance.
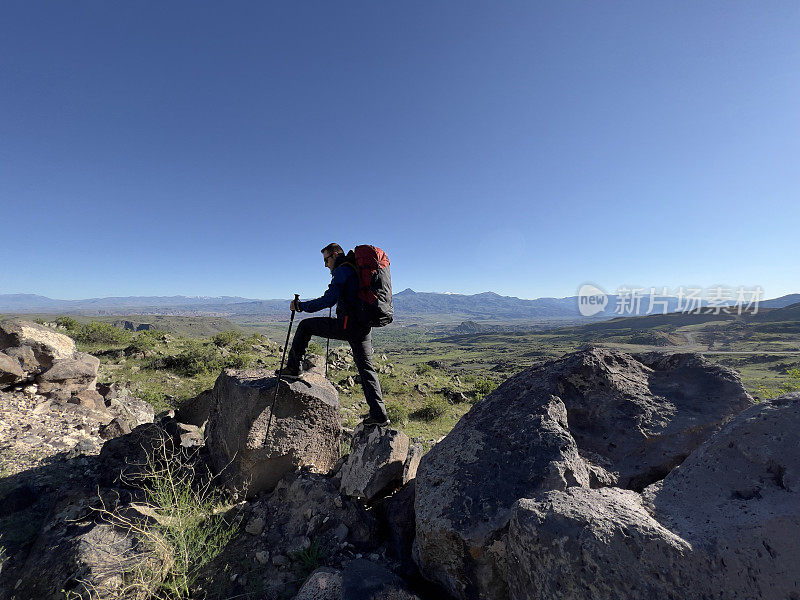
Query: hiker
342,292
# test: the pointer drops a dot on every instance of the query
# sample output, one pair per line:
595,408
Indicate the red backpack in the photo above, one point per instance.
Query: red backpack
375,286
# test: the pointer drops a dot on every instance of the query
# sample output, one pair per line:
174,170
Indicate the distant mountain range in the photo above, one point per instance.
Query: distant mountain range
178,305
409,305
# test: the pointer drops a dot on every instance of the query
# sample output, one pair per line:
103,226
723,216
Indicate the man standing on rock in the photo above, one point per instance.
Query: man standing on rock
342,292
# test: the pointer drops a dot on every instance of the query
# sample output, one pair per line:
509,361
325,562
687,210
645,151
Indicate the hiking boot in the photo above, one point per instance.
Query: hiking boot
378,422
288,374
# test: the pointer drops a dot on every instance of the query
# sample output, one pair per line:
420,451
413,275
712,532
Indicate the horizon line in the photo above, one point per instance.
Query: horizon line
246,299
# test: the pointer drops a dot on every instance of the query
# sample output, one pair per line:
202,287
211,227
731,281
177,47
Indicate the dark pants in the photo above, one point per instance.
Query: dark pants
361,343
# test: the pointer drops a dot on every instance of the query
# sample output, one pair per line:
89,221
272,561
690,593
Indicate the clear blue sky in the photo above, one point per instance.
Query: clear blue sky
209,148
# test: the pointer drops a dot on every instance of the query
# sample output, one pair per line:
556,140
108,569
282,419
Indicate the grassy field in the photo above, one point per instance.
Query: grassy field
429,375
167,369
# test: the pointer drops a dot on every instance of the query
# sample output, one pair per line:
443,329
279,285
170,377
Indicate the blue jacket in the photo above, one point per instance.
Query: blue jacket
342,291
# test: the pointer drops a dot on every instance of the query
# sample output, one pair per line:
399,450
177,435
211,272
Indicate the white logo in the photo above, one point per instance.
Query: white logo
591,300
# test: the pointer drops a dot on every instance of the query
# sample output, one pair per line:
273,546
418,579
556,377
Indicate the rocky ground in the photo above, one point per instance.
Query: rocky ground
49,450
35,431
599,474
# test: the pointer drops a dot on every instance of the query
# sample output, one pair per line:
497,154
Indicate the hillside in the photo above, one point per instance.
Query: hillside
186,326
410,306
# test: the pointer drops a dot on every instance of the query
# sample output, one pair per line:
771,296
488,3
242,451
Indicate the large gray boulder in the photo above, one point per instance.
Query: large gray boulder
514,444
365,580
725,524
89,398
91,564
737,501
378,462
592,418
76,555
307,506
10,370
124,405
46,344
195,411
305,429
69,376
601,544
640,416
324,583
125,456
26,358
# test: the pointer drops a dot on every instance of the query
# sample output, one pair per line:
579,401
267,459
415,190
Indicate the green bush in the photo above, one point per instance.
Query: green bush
433,408
241,346
156,399
226,338
158,362
196,359
483,387
792,384
238,360
467,377
423,369
97,332
398,413
67,323
186,530
346,445
142,342
315,348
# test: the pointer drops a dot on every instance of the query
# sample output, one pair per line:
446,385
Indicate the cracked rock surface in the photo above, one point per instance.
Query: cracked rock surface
725,524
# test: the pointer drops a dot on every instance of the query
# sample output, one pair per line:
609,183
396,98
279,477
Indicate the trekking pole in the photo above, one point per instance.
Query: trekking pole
280,371
328,346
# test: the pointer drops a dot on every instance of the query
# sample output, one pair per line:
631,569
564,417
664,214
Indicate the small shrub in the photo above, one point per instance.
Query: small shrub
767,393
345,447
309,559
792,384
423,369
97,332
390,386
156,399
226,338
315,348
398,414
238,360
67,323
158,362
433,408
196,359
187,528
240,346
450,393
467,377
142,342
483,387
